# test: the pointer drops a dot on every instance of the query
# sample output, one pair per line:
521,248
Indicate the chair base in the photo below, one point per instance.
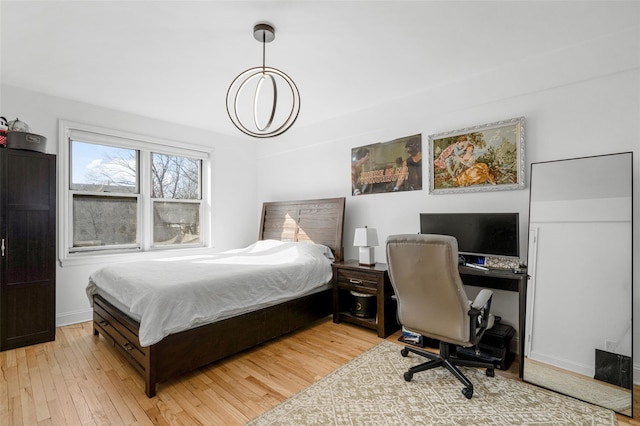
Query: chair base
444,359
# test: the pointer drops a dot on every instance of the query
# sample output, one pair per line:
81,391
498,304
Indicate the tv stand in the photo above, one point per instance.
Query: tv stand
500,279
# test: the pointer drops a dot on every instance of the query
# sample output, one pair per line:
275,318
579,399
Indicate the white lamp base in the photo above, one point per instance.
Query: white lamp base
367,256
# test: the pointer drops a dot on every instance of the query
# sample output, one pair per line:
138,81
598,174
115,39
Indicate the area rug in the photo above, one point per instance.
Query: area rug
371,390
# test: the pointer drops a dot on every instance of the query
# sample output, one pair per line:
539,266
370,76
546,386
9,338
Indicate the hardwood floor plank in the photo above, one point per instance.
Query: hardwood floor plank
15,411
221,406
128,408
56,416
12,385
105,390
189,403
38,394
64,400
4,398
24,381
100,409
46,368
168,411
117,399
233,399
73,378
155,417
10,358
28,407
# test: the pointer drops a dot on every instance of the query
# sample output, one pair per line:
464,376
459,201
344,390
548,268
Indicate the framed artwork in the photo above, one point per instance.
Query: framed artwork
481,158
387,166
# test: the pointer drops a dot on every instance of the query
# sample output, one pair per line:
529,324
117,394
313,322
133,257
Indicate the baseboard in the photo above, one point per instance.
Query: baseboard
581,369
585,370
76,317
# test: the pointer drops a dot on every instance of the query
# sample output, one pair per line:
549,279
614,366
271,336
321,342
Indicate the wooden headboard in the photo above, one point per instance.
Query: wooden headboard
320,221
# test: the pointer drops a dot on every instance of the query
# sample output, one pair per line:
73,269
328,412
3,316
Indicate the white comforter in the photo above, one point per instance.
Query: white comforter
176,294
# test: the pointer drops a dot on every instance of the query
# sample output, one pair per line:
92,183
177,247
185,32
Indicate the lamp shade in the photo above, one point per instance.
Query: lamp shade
365,237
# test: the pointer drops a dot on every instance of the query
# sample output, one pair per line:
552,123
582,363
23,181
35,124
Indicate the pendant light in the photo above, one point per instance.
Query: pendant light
262,101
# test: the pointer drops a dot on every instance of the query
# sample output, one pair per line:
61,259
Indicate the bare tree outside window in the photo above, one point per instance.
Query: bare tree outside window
127,192
103,168
175,178
104,221
102,176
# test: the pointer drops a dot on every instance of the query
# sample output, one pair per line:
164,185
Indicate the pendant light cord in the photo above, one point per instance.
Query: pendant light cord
264,43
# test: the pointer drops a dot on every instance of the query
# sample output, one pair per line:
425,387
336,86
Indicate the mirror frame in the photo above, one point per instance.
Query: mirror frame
528,332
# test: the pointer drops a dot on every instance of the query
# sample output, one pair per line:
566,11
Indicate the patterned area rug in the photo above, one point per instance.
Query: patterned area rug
370,390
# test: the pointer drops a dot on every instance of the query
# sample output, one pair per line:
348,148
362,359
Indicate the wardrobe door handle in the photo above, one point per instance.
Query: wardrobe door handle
2,247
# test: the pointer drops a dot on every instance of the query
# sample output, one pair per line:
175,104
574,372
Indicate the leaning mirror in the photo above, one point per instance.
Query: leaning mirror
579,322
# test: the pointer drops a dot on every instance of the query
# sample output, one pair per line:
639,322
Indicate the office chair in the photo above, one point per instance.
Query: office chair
432,302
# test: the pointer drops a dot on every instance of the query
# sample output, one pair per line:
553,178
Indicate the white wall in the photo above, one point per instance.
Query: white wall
576,102
234,181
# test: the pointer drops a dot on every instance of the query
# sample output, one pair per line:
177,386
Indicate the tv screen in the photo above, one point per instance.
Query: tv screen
479,234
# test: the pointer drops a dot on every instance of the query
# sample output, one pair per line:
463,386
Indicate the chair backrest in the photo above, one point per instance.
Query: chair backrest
423,269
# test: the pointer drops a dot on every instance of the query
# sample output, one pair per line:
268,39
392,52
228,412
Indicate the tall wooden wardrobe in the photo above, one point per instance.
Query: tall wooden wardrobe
27,247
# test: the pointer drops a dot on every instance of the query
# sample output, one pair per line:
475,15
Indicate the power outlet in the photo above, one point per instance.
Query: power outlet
609,345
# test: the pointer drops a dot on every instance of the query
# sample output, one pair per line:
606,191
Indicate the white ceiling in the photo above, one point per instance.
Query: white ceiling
174,60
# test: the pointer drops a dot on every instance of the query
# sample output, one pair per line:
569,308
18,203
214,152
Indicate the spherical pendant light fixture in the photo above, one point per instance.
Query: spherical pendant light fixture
262,101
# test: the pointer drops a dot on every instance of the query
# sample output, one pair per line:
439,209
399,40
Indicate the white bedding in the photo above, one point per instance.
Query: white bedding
176,294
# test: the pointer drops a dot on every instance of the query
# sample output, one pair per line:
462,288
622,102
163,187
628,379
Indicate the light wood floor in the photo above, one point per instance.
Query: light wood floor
80,380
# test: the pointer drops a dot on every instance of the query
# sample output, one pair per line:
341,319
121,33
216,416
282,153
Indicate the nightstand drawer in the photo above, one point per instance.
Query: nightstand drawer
358,278
349,277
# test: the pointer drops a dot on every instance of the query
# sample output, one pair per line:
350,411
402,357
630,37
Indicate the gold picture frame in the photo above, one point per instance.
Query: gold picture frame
489,157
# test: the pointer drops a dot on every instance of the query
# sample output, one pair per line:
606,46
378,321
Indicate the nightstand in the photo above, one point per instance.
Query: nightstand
349,276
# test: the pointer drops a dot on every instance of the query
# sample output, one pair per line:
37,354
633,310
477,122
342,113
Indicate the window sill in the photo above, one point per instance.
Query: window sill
81,259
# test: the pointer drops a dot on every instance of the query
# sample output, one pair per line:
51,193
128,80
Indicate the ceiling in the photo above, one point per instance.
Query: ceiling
174,60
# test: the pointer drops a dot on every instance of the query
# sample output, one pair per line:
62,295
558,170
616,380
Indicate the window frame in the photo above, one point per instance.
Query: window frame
145,146
152,200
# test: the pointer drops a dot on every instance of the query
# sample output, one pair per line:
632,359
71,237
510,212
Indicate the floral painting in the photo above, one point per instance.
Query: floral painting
482,158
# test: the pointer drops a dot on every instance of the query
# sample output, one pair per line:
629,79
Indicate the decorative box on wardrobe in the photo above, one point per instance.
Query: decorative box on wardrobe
27,247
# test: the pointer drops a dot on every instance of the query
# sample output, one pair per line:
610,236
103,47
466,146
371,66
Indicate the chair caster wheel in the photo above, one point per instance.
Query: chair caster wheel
408,376
467,392
404,352
491,372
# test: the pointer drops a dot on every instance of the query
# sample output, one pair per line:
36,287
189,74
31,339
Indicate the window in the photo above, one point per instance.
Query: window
104,196
125,192
104,221
175,190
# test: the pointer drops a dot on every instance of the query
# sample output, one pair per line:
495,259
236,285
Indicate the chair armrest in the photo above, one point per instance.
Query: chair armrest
482,298
479,315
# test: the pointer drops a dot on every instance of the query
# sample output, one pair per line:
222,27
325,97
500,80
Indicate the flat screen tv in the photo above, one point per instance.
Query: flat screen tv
478,234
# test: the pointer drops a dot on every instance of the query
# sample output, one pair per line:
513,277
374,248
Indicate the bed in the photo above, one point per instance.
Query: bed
318,221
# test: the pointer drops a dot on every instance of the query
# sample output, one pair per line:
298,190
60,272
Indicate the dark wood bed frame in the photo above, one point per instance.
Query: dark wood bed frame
320,221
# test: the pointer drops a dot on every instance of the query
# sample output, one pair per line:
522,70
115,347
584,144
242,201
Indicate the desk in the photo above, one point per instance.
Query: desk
502,280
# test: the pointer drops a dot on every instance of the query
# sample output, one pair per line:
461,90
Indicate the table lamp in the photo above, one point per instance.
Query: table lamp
366,239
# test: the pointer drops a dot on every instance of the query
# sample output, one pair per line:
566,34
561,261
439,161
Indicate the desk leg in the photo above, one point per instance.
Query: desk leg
522,314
